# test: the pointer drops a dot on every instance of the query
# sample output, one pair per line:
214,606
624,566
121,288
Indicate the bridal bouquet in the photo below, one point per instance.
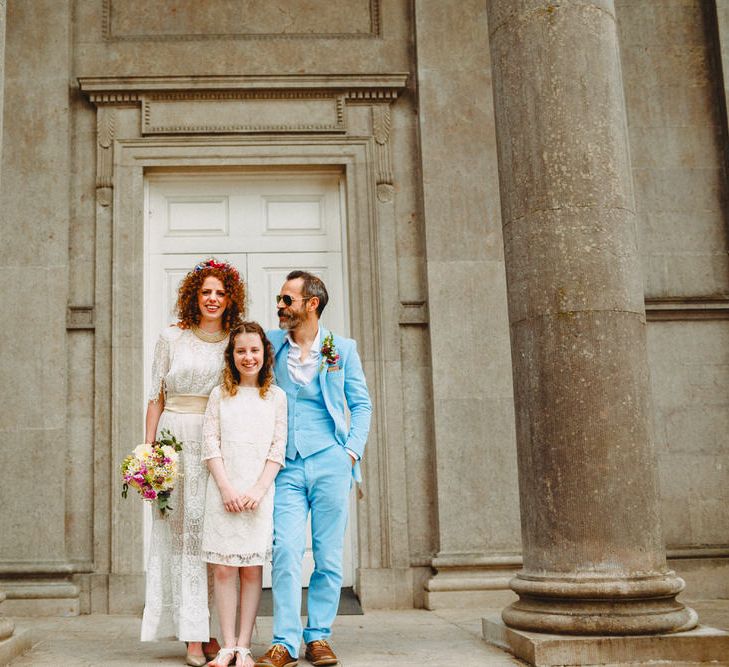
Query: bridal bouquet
151,470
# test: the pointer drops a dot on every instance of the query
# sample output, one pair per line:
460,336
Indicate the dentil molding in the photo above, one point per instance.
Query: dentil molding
350,88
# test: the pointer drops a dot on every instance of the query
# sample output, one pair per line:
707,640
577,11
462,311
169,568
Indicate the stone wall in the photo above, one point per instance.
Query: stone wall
672,69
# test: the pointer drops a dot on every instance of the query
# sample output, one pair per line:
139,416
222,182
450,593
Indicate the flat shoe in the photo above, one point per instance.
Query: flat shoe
222,653
195,660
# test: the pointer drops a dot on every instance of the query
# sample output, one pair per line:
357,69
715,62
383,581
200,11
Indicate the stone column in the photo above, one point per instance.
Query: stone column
594,558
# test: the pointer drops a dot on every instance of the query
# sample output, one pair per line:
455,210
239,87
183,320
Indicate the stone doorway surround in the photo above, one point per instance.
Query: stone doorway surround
253,122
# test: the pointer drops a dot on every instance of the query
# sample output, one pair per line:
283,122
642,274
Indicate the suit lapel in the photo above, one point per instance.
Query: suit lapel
323,371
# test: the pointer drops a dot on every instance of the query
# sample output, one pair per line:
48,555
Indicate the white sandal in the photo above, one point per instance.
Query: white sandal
221,654
243,651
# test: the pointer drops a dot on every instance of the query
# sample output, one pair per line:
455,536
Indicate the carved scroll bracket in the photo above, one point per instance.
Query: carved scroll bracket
381,128
104,154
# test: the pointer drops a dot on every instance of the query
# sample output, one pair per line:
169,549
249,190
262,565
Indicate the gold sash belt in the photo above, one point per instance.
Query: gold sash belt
190,403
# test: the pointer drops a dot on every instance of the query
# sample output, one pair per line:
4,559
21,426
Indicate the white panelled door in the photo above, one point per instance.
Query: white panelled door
265,224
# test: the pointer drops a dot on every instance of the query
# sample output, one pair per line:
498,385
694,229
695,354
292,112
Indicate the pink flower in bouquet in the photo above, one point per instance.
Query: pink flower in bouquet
151,469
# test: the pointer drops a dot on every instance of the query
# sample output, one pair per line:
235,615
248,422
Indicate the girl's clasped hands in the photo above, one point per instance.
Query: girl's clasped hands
246,501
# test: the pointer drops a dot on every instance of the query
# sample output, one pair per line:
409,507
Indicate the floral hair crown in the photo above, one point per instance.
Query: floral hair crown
215,264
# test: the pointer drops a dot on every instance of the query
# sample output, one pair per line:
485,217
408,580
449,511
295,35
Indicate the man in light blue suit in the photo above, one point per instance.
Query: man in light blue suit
322,376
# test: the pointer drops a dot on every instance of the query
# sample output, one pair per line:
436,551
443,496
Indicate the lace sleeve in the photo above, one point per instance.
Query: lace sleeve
211,427
160,367
277,450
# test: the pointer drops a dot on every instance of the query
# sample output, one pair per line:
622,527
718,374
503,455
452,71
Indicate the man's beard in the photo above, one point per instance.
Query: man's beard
290,320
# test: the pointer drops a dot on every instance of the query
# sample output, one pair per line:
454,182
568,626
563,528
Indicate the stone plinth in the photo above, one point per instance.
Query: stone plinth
694,647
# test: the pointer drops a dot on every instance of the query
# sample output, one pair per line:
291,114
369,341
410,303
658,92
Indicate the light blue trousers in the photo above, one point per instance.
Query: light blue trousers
320,483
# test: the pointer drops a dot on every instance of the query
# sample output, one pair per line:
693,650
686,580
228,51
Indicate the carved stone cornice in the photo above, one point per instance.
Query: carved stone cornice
353,87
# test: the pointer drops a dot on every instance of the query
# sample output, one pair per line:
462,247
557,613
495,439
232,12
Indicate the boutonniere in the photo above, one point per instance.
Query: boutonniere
329,353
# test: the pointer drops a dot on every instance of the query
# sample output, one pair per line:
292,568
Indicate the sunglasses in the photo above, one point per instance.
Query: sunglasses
288,300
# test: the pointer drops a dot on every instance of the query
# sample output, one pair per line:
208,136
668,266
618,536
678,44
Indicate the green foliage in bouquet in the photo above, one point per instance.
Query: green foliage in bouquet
151,469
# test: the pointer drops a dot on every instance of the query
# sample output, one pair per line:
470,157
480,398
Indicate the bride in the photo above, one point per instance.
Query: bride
188,361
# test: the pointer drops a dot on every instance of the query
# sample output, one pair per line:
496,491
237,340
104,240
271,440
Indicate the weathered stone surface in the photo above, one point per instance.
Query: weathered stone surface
594,561
676,142
690,384
473,405
34,201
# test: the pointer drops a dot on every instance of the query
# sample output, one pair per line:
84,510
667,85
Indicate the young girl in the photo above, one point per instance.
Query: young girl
244,441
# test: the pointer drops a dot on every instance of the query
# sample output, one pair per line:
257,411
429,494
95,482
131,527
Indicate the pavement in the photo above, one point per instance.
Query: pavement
389,638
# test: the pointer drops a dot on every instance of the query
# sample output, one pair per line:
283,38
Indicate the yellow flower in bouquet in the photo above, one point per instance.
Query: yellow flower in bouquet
151,469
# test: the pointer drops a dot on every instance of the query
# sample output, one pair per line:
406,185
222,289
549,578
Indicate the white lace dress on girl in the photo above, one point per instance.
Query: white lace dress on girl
177,594
245,430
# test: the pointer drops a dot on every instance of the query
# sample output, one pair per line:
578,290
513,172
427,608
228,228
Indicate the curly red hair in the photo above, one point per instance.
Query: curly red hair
188,311
231,375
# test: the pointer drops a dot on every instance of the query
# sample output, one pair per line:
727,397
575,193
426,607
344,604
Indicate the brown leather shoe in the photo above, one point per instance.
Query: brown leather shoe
319,652
277,656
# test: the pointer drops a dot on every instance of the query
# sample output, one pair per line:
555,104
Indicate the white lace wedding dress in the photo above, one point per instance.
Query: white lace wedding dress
177,592
244,430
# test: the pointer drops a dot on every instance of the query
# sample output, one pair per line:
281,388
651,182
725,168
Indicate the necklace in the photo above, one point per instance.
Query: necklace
207,336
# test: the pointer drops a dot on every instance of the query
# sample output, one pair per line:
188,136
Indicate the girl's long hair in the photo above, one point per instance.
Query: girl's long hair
231,375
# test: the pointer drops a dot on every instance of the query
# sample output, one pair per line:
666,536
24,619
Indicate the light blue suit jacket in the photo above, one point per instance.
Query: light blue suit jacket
343,386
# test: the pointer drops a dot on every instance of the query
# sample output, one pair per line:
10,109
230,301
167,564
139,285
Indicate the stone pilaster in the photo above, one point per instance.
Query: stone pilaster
3,7
594,558
6,625
473,452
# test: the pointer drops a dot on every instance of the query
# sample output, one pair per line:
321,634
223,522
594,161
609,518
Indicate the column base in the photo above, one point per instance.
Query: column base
19,642
592,605
694,647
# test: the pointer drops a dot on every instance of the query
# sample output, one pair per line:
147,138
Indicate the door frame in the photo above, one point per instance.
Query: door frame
346,121
366,281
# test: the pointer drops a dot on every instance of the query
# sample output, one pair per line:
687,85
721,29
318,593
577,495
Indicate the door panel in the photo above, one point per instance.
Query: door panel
216,213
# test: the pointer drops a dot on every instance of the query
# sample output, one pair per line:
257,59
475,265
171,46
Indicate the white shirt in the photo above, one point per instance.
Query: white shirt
303,372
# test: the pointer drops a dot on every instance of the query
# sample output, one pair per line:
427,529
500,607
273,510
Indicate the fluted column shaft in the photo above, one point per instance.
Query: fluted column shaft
594,559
